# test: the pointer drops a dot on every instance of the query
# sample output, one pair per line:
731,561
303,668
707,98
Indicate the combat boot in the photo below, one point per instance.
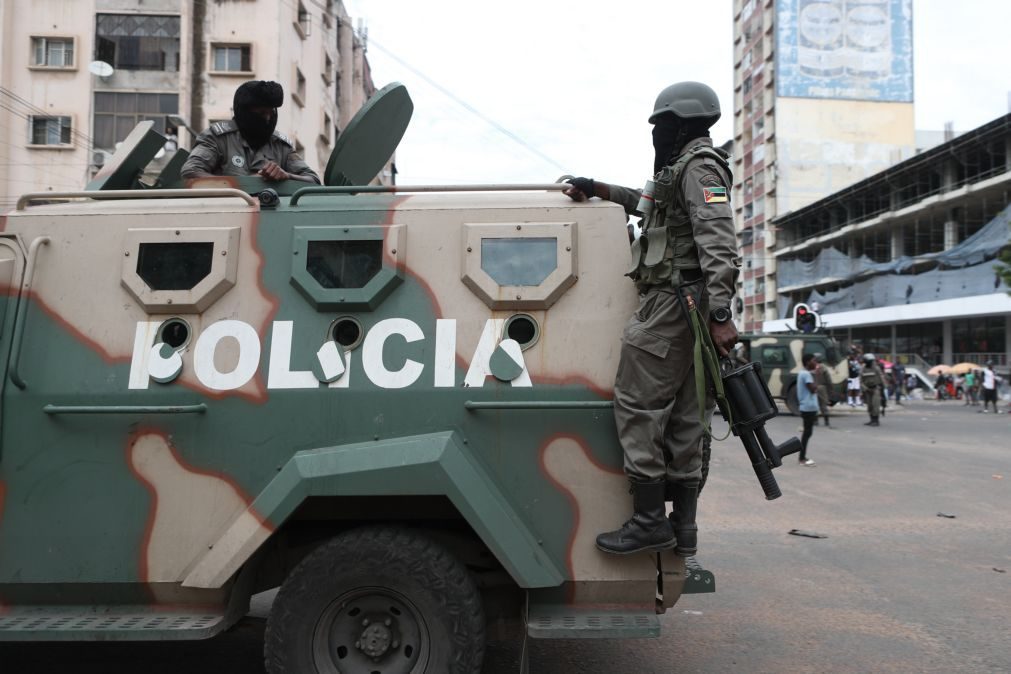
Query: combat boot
686,531
647,529
873,422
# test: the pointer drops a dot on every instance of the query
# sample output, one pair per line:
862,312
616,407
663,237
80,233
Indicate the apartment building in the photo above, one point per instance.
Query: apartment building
77,75
823,98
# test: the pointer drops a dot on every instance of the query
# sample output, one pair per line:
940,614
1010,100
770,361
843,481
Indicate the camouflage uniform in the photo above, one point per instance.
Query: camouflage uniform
656,408
222,151
872,380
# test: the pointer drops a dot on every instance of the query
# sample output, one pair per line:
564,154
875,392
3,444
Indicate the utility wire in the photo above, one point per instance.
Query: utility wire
31,106
468,107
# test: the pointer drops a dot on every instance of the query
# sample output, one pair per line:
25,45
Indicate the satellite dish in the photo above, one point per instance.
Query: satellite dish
370,138
100,68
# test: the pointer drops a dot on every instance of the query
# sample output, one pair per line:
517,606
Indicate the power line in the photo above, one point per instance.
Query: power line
32,107
468,107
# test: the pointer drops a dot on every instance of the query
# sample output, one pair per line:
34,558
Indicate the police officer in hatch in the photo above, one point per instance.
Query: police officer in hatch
685,261
248,144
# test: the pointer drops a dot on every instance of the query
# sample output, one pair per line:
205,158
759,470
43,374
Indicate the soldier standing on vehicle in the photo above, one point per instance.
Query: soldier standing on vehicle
685,265
247,144
872,380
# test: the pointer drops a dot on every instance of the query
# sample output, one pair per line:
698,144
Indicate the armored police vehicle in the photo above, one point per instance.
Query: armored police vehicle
393,403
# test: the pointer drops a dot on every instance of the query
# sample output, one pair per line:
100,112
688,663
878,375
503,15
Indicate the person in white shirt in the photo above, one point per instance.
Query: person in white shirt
807,397
989,387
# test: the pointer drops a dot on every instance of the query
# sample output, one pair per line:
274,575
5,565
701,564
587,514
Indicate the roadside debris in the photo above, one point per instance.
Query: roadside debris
948,515
806,534
997,477
688,612
999,570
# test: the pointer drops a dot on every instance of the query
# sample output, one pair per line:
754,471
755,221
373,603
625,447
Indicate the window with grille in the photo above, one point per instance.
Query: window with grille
231,58
116,113
53,52
138,41
50,130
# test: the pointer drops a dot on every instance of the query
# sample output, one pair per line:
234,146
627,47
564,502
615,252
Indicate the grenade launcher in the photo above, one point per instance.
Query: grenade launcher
750,405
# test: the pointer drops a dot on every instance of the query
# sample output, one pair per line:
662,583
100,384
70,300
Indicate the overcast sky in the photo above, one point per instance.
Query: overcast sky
576,81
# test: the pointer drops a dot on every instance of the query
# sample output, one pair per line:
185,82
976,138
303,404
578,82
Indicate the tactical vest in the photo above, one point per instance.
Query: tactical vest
667,246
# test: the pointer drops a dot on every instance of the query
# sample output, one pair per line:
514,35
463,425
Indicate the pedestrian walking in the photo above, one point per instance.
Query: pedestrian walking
968,388
899,374
823,381
872,380
807,397
853,382
989,387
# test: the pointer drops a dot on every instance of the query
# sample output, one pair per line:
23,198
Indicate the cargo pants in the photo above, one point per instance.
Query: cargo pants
656,407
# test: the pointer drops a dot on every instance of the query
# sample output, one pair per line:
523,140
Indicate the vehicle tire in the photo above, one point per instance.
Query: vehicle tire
792,403
376,600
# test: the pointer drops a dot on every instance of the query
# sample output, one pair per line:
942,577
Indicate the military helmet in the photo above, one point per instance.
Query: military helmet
687,100
869,357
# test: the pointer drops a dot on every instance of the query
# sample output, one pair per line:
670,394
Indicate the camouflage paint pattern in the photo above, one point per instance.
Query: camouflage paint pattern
782,364
135,508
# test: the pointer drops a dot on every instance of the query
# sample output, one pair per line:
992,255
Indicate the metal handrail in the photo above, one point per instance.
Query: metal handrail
539,405
136,194
19,319
198,408
372,189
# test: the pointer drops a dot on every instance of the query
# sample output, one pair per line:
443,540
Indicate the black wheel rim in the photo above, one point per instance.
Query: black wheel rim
371,629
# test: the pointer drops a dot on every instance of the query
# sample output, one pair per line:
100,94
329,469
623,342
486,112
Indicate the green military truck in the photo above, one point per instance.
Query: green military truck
392,403
780,356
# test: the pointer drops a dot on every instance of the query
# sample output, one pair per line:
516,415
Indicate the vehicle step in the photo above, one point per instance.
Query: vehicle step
106,623
558,621
697,580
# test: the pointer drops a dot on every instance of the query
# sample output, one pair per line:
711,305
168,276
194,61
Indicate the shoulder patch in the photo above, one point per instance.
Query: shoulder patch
710,180
221,128
715,195
284,139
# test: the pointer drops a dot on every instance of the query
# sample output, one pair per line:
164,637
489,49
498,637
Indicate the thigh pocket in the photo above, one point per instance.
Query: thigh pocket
648,342
646,307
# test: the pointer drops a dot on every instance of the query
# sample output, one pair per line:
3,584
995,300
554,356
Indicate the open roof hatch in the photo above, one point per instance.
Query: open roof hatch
371,137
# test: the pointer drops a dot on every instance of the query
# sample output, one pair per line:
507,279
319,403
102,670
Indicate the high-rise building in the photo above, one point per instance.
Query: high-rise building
77,75
823,98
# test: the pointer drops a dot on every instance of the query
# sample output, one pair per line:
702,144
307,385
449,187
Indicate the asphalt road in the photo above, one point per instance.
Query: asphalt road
893,588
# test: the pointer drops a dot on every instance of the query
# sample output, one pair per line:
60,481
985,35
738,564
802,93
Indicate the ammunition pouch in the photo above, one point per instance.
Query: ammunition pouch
667,244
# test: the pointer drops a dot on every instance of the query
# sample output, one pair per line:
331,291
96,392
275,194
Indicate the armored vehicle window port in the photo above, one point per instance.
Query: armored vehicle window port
519,261
523,329
344,264
347,331
174,266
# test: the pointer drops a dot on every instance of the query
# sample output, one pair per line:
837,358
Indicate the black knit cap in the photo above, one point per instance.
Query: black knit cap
258,93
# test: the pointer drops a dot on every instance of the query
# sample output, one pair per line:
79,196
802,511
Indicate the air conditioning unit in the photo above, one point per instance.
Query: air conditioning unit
99,157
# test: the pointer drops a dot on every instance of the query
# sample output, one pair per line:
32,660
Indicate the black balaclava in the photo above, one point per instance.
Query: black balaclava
671,133
257,93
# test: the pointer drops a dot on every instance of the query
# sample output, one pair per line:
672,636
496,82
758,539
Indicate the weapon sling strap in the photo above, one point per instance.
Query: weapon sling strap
705,362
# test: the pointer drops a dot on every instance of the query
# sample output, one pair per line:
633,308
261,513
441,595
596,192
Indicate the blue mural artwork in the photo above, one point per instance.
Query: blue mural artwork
849,49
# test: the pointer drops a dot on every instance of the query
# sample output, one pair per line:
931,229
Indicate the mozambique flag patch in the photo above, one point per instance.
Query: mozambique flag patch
715,195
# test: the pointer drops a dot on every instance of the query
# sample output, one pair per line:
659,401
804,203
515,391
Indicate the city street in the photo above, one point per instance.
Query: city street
893,588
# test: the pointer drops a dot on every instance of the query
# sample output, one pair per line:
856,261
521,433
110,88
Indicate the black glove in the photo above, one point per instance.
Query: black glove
584,185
